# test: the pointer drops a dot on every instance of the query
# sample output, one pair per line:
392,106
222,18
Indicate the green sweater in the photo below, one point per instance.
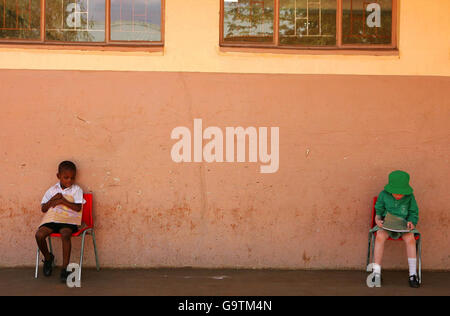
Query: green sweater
405,208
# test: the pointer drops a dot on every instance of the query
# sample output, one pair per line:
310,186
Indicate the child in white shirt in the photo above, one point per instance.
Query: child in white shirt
67,197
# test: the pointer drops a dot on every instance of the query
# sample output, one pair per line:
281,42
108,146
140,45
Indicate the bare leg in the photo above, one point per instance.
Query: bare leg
66,234
41,235
410,245
382,236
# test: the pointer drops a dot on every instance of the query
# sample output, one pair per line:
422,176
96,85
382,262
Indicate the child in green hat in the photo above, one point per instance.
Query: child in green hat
397,198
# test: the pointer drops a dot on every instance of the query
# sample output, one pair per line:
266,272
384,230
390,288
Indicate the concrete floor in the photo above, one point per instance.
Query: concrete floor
212,282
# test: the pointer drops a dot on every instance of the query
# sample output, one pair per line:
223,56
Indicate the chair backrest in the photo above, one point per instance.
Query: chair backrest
87,210
374,213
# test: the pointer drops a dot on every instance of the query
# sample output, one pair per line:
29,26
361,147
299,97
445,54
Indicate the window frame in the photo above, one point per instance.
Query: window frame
108,43
339,45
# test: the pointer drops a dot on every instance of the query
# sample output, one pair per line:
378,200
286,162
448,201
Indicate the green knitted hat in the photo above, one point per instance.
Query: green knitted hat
398,183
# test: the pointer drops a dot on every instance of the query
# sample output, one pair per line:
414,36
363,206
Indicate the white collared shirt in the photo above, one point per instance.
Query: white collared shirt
74,190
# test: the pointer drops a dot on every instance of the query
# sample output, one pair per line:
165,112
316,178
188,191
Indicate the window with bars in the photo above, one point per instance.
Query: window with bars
309,23
88,22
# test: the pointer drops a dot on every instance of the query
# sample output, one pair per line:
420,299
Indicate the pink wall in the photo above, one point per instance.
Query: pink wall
340,136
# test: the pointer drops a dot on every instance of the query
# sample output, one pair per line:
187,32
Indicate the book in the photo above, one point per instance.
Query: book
395,224
62,214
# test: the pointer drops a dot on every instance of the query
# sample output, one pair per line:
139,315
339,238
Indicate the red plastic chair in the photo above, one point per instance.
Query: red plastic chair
88,221
372,236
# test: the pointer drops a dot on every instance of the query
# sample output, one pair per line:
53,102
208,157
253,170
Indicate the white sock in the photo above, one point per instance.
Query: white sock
412,266
376,268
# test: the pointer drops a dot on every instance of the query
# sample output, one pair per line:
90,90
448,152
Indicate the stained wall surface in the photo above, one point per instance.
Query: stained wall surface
340,136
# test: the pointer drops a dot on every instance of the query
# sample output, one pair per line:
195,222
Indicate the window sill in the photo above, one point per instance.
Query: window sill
75,47
312,51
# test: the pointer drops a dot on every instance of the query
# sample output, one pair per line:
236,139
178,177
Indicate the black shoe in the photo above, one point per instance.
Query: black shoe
48,265
413,281
64,275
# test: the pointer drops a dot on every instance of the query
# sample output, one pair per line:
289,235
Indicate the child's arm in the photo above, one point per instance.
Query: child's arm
51,203
74,206
380,209
413,213
58,199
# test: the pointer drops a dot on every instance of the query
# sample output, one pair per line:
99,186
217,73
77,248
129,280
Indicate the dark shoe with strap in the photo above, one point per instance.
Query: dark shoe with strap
48,265
64,275
413,281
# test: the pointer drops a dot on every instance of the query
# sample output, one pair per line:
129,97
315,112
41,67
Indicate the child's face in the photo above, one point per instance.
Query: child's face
66,178
397,196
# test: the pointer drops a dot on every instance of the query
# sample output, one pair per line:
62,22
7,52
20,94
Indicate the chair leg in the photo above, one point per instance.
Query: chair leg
95,251
37,264
368,250
81,256
419,256
373,246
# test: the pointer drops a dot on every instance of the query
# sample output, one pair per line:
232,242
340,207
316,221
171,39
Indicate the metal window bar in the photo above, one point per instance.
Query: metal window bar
308,5
133,15
16,28
145,15
254,3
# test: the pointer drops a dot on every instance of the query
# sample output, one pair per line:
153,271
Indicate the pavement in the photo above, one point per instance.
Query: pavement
219,282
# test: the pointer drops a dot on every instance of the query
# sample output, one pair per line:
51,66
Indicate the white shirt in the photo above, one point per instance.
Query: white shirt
74,190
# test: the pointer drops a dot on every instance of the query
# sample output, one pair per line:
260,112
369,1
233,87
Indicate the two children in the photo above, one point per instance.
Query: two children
398,199
62,205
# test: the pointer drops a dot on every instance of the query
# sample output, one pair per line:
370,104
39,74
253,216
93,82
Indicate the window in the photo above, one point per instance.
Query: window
87,22
327,24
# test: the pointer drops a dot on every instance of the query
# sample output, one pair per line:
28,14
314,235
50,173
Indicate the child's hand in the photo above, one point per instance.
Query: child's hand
53,203
56,200
57,196
411,226
379,222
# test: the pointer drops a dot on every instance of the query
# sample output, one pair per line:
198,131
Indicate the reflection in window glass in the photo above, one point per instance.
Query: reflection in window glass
137,20
75,20
308,22
20,19
367,22
248,20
